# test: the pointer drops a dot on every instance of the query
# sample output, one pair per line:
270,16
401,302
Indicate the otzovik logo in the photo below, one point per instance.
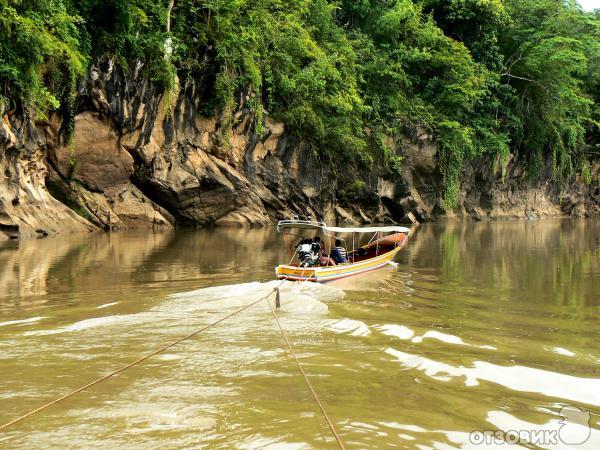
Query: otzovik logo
575,425
574,429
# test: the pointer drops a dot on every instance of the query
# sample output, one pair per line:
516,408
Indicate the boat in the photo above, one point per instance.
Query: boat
377,253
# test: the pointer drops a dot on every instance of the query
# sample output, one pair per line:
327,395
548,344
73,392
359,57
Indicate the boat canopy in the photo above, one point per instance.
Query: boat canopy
306,224
386,229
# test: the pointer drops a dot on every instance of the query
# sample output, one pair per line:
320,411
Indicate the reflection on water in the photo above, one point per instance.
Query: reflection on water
479,327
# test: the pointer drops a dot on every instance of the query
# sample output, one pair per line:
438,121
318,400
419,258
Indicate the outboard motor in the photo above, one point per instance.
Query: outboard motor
306,256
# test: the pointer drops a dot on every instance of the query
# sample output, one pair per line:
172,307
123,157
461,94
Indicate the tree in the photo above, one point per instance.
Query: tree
40,55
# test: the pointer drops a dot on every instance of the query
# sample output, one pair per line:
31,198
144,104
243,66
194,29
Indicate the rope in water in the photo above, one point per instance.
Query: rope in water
312,390
137,361
189,336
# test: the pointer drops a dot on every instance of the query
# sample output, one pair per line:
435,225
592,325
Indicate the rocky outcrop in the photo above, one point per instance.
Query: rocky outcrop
26,207
487,194
187,169
95,171
139,158
489,191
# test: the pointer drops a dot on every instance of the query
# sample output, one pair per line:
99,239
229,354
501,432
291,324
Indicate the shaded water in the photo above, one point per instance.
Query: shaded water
480,326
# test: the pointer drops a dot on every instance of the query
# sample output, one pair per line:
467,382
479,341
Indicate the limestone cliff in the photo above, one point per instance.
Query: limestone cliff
138,158
26,207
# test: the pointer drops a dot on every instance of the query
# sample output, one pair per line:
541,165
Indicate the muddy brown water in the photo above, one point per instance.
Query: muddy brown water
479,326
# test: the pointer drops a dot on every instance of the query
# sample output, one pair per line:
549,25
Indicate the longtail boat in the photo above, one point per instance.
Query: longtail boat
378,252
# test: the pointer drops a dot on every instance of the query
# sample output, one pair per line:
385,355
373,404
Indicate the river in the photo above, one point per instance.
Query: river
479,326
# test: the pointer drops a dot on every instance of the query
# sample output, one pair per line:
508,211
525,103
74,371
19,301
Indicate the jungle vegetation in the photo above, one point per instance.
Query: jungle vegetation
483,76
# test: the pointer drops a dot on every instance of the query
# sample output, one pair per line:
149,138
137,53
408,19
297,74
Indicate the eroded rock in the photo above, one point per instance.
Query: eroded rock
26,207
139,158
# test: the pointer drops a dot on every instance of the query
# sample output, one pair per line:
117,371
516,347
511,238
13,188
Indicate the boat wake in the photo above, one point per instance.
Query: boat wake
188,386
295,297
21,322
185,309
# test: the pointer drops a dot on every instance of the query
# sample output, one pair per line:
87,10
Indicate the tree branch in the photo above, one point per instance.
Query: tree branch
506,74
169,9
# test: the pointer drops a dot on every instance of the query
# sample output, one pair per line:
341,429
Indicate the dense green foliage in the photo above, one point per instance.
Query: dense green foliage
40,57
485,76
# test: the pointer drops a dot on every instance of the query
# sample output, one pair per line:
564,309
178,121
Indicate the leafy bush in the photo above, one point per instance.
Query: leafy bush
40,54
353,191
586,173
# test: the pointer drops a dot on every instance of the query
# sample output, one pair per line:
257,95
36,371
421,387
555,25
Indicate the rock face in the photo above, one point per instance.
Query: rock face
26,207
96,171
138,158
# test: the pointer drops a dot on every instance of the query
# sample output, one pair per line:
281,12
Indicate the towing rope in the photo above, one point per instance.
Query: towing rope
312,390
189,336
137,361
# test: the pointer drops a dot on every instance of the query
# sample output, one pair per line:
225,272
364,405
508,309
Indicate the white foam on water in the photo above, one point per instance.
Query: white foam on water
401,426
228,290
98,322
399,331
307,298
82,325
562,351
169,357
349,326
320,291
517,378
433,369
22,321
107,305
238,295
488,347
362,425
298,298
160,415
302,305
216,298
406,437
447,338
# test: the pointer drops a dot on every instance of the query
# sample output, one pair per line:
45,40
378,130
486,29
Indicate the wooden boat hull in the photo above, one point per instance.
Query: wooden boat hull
324,274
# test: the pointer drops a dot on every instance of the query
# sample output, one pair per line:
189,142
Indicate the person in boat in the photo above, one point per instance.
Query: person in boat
319,249
339,254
